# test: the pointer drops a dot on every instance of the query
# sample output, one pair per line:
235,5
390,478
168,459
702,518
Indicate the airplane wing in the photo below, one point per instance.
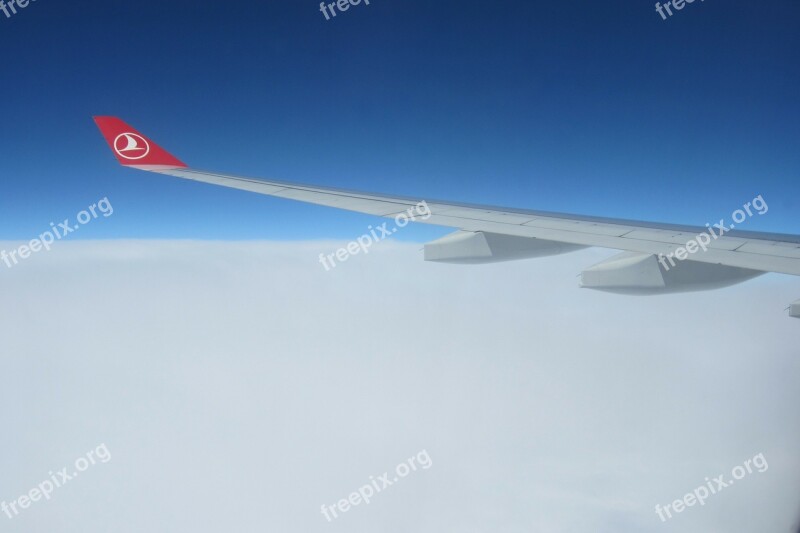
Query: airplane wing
657,258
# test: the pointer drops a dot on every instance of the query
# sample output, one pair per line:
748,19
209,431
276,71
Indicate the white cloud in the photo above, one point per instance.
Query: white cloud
239,386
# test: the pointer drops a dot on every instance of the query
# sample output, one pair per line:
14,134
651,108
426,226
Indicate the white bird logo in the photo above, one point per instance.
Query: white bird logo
131,146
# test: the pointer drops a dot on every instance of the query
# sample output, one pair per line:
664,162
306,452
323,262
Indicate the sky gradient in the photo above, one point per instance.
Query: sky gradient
588,108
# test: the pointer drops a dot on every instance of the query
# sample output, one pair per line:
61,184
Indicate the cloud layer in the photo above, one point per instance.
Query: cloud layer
240,386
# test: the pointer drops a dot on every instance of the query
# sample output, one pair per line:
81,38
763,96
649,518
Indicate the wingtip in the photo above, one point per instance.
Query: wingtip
131,148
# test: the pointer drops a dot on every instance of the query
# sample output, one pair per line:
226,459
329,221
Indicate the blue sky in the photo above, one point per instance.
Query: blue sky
593,107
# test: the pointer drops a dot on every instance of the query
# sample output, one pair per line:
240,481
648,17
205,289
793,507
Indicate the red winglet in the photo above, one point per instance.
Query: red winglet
132,149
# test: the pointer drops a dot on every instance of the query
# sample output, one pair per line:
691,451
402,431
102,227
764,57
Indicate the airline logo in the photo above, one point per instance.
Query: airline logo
131,146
